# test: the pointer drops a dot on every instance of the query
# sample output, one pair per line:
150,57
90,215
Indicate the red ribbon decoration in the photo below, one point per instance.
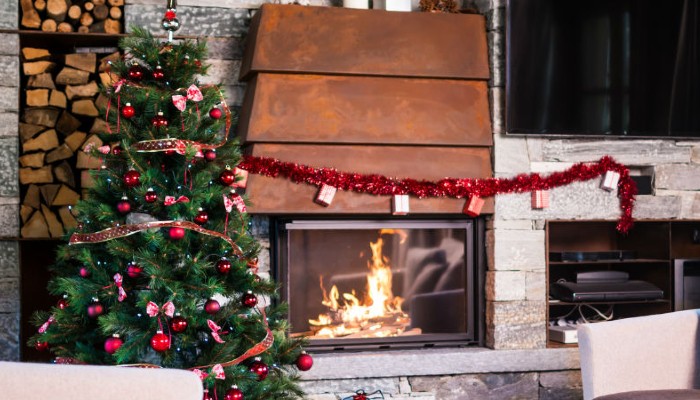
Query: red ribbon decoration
201,374
168,309
450,187
118,281
170,200
218,371
117,88
45,326
215,330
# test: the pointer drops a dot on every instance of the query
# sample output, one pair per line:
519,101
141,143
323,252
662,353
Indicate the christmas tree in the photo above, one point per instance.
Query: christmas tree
162,269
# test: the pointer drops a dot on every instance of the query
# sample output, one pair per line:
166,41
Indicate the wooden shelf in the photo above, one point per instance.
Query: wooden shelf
602,262
568,303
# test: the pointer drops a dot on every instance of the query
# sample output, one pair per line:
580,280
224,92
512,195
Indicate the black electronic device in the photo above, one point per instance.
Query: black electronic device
604,286
687,284
613,68
579,256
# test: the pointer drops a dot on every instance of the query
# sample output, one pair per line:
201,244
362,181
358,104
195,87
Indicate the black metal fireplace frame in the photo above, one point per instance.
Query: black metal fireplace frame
475,228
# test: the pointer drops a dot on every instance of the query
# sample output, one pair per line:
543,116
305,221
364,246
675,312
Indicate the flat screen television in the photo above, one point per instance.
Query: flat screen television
613,68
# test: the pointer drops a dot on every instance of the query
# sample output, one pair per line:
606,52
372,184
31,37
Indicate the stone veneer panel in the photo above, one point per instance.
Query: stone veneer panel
8,98
223,72
657,207
9,14
677,177
196,21
9,295
9,181
497,104
690,202
513,158
9,259
515,324
632,152
515,250
9,215
491,386
506,285
9,337
9,124
9,45
9,74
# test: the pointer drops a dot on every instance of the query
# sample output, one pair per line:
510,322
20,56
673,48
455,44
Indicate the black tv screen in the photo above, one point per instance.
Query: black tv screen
618,68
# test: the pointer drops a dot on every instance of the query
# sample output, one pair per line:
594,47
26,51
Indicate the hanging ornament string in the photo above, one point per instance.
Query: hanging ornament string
117,88
450,187
126,230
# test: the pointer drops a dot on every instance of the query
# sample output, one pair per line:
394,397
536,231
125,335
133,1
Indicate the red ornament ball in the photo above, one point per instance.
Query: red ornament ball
128,111
117,150
151,196
95,309
260,369
135,72
223,266
170,15
227,177
134,270
178,324
234,393
160,342
113,344
212,306
62,304
124,207
84,272
249,300
201,218
132,178
210,155
215,113
176,233
158,73
159,120
304,362
197,63
41,346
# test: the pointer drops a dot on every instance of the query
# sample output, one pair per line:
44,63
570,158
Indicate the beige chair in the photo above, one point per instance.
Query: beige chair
80,382
656,352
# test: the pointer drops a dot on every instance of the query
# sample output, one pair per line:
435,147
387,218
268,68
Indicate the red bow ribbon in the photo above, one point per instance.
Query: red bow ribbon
201,374
168,309
193,93
234,199
122,293
104,149
181,147
218,371
45,326
118,85
215,330
170,200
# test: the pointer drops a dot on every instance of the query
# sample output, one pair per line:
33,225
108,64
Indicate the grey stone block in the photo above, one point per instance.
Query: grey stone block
496,19
695,154
515,324
349,386
9,98
225,48
9,74
657,207
9,337
510,155
528,336
9,124
497,68
195,21
222,72
677,177
632,152
9,44
561,379
9,14
517,250
234,95
535,285
497,102
534,148
9,183
9,218
481,386
561,394
9,295
505,285
9,259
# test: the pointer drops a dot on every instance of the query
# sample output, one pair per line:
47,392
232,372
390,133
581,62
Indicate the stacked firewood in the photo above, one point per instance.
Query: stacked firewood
60,117
100,16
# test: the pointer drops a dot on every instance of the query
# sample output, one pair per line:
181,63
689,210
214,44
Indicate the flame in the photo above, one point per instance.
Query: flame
377,307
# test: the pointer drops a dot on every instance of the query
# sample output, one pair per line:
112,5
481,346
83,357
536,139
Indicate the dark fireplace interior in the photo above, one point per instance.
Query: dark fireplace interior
354,284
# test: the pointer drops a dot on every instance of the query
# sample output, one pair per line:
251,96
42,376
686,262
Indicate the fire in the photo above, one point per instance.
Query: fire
377,314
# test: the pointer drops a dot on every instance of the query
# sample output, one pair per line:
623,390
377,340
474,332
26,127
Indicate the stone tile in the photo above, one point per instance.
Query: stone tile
9,73
264,256
9,220
496,19
534,149
497,66
498,107
328,396
561,379
561,394
695,154
677,177
689,201
9,44
510,155
9,98
513,313
9,183
349,386
516,250
536,285
547,168
515,324
234,94
9,259
657,207
9,295
578,200
522,224
404,385
505,285
225,48
9,14
480,386
9,124
528,336
9,337
222,72
632,152
196,21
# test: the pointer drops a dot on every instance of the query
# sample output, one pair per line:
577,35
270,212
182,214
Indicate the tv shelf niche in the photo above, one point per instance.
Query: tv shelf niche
646,253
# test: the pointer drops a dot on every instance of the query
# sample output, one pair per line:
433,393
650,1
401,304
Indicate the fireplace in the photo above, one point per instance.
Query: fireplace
367,284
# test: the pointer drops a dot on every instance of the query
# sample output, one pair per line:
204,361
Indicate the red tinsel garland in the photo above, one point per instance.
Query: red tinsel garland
451,187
